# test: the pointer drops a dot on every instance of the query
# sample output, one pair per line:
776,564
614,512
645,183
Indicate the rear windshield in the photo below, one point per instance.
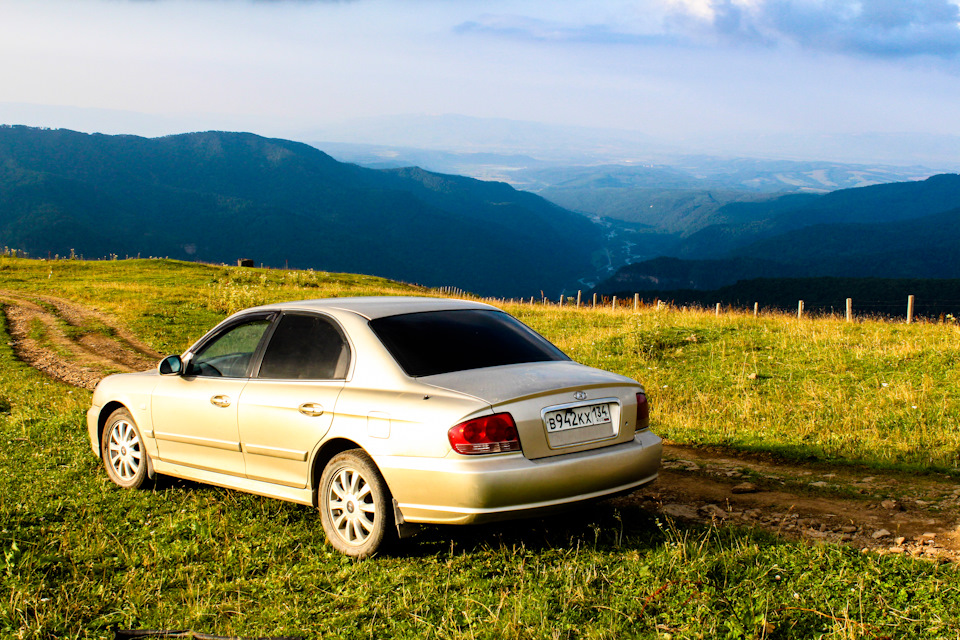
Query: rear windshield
434,342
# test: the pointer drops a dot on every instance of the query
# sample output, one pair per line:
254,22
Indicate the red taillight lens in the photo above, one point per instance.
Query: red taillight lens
643,412
489,434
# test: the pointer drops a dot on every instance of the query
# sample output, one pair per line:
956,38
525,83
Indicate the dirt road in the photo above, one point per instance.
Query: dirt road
873,510
69,342
890,512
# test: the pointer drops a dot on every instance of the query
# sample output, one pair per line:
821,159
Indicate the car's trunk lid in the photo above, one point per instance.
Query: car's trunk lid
559,407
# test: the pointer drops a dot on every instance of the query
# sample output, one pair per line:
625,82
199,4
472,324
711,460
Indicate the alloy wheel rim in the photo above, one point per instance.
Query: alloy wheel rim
351,507
124,450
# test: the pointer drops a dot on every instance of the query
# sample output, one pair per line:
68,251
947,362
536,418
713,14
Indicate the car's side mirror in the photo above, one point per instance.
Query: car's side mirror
171,366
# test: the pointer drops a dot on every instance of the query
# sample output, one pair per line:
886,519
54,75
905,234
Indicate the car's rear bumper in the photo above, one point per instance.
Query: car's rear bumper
473,489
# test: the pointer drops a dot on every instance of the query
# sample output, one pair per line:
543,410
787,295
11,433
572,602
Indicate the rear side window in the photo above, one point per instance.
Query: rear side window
305,347
434,342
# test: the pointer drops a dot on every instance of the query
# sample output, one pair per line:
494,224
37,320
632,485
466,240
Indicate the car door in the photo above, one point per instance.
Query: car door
195,414
288,406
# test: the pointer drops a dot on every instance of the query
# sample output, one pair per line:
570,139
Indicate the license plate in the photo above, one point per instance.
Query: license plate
576,417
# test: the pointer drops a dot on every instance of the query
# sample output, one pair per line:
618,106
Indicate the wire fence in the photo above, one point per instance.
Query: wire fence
908,308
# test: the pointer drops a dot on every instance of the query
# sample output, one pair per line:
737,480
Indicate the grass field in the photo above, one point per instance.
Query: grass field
870,392
79,556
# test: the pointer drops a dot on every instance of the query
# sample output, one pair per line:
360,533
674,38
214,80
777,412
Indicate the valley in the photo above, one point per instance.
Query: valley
220,197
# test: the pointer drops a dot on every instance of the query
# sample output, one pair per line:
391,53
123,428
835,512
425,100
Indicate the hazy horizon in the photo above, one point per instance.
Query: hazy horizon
798,78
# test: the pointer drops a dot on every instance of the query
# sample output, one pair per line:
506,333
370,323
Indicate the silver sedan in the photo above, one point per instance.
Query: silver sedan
383,413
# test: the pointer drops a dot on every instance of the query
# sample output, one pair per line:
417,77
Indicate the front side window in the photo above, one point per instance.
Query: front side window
305,347
229,354
435,342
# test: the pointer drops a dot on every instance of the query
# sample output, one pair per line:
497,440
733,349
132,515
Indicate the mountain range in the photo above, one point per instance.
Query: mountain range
897,230
647,207
218,196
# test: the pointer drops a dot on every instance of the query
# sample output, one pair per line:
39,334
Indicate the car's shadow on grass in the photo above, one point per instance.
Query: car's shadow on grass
608,525
601,525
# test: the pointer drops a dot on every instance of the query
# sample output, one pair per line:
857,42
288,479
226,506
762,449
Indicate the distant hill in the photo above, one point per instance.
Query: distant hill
899,230
649,201
687,195
675,274
926,247
743,223
660,192
219,196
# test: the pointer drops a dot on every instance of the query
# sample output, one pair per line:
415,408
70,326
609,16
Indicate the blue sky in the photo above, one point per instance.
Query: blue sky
669,68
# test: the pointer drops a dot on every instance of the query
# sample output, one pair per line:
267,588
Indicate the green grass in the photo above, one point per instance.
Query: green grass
86,328
168,303
875,393
40,333
78,556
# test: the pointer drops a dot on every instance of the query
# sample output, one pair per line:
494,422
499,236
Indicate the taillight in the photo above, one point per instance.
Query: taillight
489,434
643,412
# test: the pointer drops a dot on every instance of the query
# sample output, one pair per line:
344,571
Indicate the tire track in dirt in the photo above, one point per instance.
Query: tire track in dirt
884,511
875,510
69,342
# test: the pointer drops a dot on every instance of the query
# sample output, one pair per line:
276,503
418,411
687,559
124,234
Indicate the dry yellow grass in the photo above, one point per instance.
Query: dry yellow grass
868,391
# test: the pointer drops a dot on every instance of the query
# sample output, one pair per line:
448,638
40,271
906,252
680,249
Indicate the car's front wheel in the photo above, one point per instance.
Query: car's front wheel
123,453
354,504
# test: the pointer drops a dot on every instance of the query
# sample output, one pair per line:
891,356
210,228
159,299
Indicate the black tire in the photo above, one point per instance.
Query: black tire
355,505
123,452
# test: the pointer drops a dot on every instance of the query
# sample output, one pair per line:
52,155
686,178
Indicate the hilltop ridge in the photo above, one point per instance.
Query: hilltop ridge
218,196
896,230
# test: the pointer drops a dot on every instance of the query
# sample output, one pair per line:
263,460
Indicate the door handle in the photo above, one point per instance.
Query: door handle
312,409
220,401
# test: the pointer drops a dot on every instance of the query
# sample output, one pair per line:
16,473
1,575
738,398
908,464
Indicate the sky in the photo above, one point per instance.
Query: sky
674,69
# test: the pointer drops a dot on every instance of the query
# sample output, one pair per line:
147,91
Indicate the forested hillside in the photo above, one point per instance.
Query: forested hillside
898,230
219,196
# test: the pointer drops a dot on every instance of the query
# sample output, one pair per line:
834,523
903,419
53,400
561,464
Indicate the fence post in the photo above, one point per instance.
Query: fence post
613,305
579,292
800,310
718,309
909,309
594,299
756,309
849,309
561,299
659,304
636,302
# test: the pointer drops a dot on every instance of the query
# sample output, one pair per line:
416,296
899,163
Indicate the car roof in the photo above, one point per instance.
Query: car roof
373,307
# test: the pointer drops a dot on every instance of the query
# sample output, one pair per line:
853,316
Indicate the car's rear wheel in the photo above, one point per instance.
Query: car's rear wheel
355,504
123,453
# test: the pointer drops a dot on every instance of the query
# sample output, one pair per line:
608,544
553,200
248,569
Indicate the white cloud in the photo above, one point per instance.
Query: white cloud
884,28
873,28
